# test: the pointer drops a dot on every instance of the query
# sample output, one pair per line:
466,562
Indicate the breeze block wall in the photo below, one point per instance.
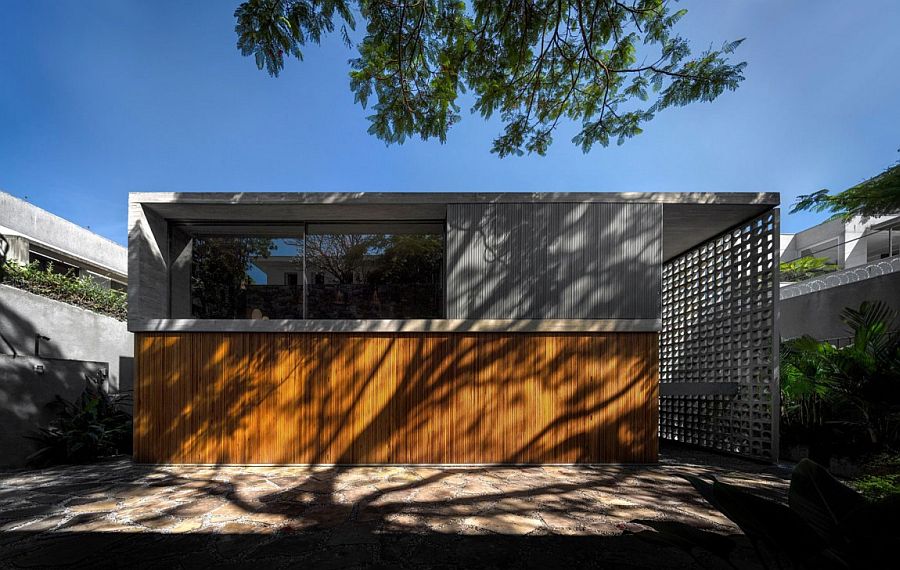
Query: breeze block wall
719,342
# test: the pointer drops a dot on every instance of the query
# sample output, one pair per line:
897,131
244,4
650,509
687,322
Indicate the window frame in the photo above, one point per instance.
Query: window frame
301,230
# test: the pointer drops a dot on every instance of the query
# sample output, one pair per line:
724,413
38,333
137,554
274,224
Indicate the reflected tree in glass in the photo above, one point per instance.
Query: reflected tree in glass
220,274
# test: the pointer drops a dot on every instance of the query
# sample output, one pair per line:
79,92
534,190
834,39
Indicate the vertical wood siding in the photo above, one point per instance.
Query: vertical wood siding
396,398
554,261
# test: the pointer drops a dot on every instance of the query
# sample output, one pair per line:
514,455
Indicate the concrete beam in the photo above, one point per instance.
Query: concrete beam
397,325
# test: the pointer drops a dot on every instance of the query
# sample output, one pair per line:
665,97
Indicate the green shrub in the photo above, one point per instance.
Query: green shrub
878,486
806,268
94,426
880,477
79,291
844,399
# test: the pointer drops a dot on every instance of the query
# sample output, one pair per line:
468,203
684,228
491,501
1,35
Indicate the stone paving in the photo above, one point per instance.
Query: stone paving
118,514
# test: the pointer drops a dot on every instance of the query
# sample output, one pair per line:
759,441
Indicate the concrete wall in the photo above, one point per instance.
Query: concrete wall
25,394
75,333
504,261
51,231
851,240
148,264
817,313
554,261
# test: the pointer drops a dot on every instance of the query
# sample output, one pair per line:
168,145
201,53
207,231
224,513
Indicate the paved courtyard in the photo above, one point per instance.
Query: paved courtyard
120,514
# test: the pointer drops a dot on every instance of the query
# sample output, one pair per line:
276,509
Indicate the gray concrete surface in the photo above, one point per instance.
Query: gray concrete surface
46,229
80,342
554,261
27,385
396,325
817,313
75,333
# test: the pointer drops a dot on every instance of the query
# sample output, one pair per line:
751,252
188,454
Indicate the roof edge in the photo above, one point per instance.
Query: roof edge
269,198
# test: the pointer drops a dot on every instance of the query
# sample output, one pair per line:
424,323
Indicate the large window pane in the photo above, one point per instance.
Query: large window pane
356,275
352,271
239,277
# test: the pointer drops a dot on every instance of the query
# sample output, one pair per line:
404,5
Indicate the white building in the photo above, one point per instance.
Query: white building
867,255
847,244
29,234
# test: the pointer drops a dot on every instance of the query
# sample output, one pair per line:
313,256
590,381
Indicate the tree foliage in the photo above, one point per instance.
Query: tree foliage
607,65
410,258
376,258
95,425
806,268
848,396
877,196
341,255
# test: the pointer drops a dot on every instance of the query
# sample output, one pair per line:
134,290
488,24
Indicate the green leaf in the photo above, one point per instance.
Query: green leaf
417,58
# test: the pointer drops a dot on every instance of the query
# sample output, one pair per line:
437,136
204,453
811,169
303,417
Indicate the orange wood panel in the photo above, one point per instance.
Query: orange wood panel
272,398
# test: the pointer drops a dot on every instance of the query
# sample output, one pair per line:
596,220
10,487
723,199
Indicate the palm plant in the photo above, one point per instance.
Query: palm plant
855,389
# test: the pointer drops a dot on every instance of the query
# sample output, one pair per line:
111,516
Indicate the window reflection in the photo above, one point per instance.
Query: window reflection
374,276
351,273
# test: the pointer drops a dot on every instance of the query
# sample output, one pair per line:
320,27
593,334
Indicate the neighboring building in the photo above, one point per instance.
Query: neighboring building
29,234
846,244
865,266
490,328
47,346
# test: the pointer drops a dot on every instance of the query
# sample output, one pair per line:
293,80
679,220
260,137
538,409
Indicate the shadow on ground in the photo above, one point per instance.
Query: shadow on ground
119,514
346,550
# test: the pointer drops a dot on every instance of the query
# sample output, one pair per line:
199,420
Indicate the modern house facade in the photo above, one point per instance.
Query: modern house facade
452,328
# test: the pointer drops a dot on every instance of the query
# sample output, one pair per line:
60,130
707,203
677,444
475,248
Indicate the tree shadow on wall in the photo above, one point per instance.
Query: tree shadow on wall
350,399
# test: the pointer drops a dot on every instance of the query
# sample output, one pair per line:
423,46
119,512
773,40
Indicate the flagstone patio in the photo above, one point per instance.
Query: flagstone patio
185,516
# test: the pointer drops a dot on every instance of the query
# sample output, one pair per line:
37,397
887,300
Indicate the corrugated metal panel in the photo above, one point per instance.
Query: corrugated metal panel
553,261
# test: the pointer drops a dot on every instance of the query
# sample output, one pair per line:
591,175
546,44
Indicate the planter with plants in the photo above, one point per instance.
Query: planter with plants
82,292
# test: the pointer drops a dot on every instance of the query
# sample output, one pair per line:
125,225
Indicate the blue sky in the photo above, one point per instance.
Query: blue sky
100,98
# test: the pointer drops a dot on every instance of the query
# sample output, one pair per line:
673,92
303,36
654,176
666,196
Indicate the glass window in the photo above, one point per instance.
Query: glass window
46,263
354,274
353,271
239,277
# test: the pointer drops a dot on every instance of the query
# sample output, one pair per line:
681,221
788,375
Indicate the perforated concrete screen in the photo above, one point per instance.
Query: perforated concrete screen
718,345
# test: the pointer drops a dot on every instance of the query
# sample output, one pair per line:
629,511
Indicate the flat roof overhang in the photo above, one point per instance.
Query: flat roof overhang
689,218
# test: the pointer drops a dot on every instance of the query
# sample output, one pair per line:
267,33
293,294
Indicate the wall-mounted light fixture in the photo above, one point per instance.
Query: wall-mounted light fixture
37,343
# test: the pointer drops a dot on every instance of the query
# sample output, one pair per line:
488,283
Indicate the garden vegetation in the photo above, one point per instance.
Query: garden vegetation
82,291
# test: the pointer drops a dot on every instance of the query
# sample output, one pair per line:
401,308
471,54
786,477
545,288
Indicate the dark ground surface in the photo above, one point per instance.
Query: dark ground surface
118,515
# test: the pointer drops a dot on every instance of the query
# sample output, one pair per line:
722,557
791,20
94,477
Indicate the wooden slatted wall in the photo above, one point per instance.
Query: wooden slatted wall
264,398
